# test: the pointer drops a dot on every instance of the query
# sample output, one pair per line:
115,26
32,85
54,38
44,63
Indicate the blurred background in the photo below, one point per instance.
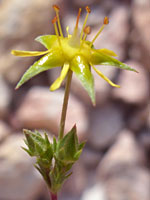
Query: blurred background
115,164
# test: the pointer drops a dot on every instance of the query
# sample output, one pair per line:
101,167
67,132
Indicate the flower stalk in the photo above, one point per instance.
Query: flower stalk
65,105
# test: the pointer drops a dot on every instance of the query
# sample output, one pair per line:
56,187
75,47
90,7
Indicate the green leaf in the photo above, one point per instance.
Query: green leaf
29,140
81,146
82,70
100,58
68,146
51,60
47,40
46,140
54,144
39,149
28,151
77,155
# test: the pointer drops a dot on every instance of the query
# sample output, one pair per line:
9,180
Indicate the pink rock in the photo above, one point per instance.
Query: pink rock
42,109
106,123
4,131
134,86
124,152
141,31
115,34
19,180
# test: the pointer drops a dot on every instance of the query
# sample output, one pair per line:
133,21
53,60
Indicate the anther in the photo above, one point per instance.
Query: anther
56,8
54,20
88,9
106,20
87,30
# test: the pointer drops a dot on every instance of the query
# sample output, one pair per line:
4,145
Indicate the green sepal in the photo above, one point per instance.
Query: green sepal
82,70
53,59
99,58
47,40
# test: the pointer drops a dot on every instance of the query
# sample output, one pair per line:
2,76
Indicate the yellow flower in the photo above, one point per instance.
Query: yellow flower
73,52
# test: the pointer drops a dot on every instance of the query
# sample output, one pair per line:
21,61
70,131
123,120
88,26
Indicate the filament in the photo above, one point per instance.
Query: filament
56,29
77,22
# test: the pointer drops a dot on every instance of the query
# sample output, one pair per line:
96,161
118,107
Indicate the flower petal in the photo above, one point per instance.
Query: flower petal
51,60
105,78
99,58
60,79
47,40
28,53
108,52
82,70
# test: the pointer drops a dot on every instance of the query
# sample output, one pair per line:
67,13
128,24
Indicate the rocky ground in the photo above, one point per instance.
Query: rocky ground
115,164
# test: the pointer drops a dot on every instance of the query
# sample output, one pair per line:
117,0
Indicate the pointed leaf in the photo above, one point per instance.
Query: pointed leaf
47,40
82,70
81,146
99,58
51,60
28,151
77,155
68,146
59,80
105,78
28,53
54,144
46,139
29,140
39,150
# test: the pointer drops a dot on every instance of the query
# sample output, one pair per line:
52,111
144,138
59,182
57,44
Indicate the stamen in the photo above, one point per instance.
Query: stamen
105,22
54,20
85,21
56,8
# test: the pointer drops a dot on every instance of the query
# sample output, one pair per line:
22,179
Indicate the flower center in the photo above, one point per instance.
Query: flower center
76,43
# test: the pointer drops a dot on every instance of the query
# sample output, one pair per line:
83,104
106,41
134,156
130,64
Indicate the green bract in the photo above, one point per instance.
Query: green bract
71,53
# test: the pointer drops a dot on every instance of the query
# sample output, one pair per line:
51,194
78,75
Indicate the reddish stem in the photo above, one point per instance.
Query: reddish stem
53,196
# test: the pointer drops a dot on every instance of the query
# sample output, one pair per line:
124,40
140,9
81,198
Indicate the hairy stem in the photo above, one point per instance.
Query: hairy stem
65,104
